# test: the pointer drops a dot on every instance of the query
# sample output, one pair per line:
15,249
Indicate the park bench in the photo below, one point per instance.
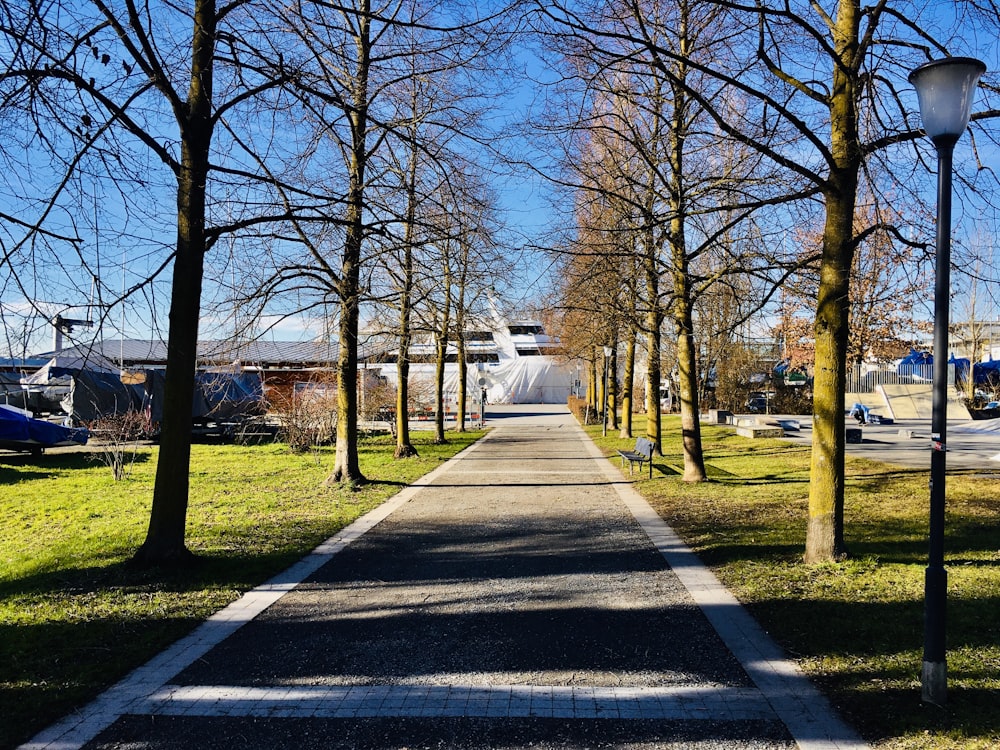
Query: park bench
642,452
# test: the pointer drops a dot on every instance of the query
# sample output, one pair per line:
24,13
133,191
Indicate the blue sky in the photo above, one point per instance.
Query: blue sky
525,200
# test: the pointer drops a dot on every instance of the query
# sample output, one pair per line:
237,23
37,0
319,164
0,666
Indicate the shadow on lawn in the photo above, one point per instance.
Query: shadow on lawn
876,629
878,646
228,571
888,543
48,668
765,479
882,713
47,465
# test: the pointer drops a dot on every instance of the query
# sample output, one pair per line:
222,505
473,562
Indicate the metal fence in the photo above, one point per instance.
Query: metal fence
864,379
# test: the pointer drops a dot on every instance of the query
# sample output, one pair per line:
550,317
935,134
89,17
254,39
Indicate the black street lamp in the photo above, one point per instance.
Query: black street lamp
607,357
945,89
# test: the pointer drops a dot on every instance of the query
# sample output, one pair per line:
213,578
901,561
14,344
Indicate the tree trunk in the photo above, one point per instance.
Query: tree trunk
463,365
683,303
694,460
404,449
654,320
439,404
165,536
628,380
825,532
687,361
346,469
463,374
592,379
441,339
613,389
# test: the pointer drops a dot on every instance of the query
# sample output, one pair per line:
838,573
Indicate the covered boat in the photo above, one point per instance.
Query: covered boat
21,432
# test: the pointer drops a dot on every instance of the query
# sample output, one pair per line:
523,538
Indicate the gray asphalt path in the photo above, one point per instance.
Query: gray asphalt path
521,595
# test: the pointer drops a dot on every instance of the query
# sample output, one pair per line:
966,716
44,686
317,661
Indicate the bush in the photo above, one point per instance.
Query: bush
117,439
584,412
792,399
307,416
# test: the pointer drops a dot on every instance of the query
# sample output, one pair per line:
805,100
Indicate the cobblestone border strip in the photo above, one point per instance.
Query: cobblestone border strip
682,703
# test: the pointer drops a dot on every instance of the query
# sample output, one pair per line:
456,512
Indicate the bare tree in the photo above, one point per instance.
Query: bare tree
107,88
645,123
480,262
438,120
368,76
848,119
823,132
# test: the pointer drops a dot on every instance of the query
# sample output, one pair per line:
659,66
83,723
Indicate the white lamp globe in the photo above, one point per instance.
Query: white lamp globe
945,89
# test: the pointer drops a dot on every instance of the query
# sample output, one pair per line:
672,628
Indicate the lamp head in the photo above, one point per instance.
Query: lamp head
607,351
945,89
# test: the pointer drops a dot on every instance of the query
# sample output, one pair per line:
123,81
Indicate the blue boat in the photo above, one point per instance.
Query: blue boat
19,432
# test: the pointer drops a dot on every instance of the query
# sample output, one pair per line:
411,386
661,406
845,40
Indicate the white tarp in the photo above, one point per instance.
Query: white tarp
525,380
518,375
528,380
73,362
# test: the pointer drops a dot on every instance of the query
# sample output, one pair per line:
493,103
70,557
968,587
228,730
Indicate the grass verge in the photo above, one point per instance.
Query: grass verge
855,627
74,619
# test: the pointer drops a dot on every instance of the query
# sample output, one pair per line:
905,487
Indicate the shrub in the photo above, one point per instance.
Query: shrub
584,412
117,440
307,416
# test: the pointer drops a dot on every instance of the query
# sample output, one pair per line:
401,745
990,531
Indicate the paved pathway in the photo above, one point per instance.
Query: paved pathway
522,594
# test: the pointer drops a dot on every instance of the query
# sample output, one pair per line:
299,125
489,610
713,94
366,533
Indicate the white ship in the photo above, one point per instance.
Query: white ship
516,362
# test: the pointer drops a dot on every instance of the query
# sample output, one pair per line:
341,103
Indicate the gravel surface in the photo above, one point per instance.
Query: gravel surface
492,577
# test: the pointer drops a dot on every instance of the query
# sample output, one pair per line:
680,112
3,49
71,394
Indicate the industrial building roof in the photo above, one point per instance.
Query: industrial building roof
131,353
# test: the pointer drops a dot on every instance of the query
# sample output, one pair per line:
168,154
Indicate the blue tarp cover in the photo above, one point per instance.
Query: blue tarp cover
20,431
218,396
920,364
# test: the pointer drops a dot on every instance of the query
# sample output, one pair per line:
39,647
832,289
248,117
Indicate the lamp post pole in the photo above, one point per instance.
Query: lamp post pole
944,88
934,677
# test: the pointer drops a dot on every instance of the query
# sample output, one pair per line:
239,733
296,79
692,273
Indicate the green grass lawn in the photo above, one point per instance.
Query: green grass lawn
74,619
855,627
